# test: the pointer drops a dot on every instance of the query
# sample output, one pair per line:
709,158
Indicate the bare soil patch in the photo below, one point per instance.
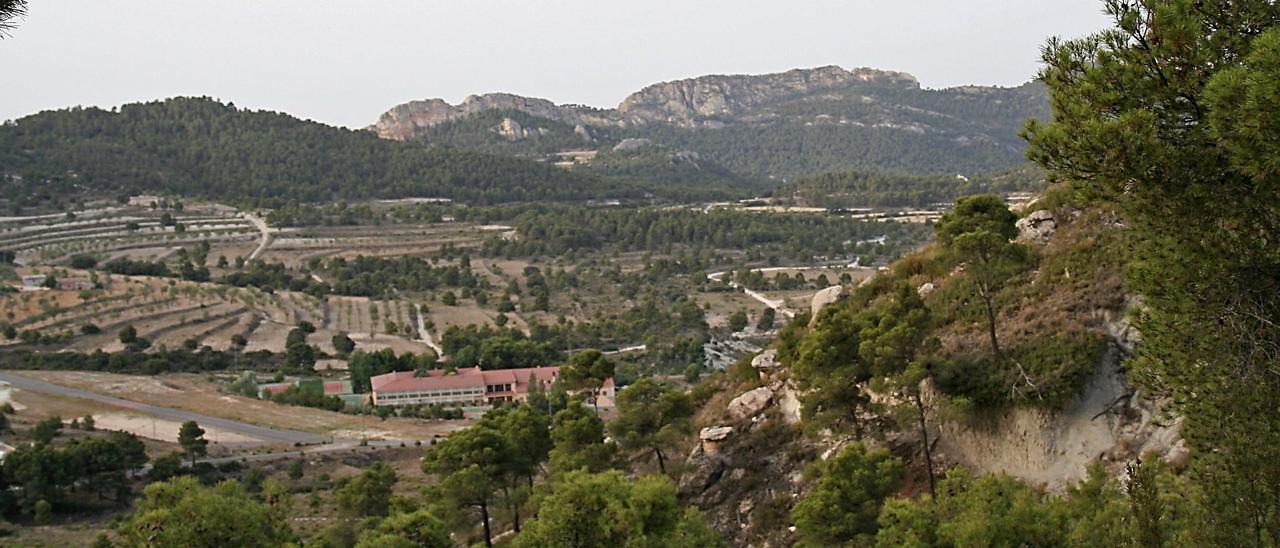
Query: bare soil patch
196,393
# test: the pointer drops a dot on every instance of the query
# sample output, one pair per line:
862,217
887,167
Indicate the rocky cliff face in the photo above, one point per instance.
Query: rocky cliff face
711,99
692,102
766,127
403,121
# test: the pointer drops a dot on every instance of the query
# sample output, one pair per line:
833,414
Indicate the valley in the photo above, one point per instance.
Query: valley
822,306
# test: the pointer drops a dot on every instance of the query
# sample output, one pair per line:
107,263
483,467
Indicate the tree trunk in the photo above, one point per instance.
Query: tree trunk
985,292
662,462
515,508
991,322
928,452
488,535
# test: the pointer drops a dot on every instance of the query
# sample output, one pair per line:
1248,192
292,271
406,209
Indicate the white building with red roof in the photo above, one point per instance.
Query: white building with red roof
468,387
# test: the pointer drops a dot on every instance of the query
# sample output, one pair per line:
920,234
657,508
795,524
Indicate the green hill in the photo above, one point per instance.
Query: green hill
876,189
200,147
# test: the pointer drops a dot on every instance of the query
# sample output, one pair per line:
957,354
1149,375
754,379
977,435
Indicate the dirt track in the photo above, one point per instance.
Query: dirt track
244,429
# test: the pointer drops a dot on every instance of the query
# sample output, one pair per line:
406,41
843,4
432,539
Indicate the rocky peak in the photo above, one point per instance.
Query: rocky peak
692,102
686,102
403,121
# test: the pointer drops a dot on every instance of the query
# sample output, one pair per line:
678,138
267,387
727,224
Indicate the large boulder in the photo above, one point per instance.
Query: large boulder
702,471
750,403
715,433
823,298
766,362
713,436
789,404
1039,226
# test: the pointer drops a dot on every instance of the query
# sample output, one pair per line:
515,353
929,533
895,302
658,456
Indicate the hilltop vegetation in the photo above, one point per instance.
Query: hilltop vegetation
558,230
661,165
853,189
1164,134
199,147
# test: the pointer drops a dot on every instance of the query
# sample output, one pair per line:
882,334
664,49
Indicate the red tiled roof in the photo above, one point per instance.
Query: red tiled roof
472,377
414,384
378,381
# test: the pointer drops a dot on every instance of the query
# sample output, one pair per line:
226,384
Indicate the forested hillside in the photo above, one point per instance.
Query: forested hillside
850,189
1097,371
200,147
482,132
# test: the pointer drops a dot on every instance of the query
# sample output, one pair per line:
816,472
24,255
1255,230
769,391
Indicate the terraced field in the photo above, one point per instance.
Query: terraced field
120,231
295,247
174,313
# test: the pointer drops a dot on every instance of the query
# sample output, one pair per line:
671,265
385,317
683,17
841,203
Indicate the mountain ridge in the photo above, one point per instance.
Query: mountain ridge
674,101
773,126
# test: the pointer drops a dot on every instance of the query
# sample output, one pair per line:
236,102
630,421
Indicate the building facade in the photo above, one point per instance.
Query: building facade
469,387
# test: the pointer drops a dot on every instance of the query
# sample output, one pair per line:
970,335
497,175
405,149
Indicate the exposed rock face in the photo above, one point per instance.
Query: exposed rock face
1109,422
750,403
766,362
403,121
788,399
513,131
631,144
1039,226
753,478
823,298
715,433
706,101
712,436
688,102
925,288
703,470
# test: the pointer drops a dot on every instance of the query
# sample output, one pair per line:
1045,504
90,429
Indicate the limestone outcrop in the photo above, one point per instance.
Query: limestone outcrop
750,403
1038,227
821,299
690,102
707,101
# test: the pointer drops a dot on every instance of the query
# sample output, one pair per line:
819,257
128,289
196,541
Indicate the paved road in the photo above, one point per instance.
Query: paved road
258,432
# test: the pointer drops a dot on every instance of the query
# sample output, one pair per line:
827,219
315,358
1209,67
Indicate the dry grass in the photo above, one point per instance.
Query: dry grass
195,393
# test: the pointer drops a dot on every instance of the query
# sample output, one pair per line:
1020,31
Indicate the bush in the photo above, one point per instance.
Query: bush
43,512
844,505
83,262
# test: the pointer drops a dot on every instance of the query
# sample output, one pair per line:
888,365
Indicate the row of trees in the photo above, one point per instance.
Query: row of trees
852,189
555,231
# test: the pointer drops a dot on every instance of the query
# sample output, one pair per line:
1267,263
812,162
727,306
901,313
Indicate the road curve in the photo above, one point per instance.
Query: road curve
778,305
258,432
264,230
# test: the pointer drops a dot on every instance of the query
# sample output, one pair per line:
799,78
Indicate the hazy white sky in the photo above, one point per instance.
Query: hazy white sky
347,62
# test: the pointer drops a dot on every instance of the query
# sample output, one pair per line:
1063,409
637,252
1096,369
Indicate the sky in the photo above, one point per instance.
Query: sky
344,63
